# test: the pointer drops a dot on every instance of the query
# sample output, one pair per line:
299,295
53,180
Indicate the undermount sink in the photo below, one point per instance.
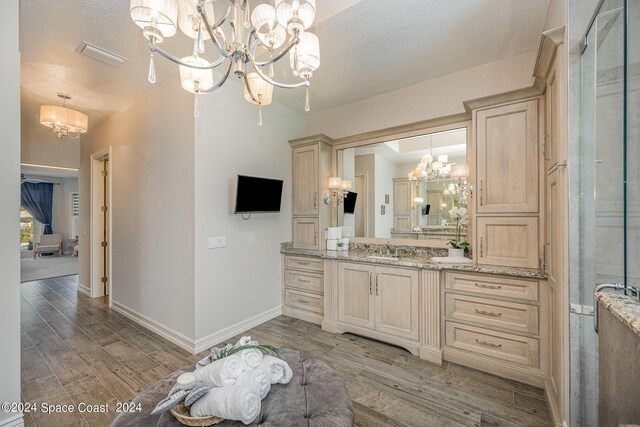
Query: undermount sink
383,257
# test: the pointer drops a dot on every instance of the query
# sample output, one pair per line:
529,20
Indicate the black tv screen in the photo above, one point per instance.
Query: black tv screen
255,195
350,202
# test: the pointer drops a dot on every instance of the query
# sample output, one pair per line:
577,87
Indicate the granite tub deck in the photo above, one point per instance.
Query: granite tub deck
415,258
618,363
624,308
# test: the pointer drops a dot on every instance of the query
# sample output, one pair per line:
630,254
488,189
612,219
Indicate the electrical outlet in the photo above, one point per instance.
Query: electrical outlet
217,242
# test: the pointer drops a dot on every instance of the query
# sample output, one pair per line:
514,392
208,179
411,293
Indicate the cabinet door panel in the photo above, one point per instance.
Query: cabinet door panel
305,180
396,291
401,197
508,241
355,295
402,223
306,233
507,157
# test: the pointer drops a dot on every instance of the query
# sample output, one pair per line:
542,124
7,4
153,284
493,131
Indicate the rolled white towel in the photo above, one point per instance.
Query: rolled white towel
240,403
278,369
258,378
250,357
220,372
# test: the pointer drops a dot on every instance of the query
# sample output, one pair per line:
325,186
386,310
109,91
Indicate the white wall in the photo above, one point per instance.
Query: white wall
9,208
442,96
385,172
152,205
41,147
243,280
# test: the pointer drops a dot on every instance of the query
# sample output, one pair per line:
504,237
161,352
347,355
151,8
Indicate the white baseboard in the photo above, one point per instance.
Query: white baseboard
84,289
187,343
153,325
13,421
211,340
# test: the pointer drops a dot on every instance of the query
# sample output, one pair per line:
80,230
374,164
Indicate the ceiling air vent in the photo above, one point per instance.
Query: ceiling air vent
100,54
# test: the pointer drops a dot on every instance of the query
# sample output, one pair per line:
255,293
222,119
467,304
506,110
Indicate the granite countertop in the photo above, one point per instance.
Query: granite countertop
415,260
625,308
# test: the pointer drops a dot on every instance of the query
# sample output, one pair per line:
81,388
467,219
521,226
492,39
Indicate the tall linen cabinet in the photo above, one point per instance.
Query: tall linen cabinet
311,164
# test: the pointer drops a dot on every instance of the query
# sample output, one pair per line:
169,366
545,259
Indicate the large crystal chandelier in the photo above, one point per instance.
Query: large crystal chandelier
269,32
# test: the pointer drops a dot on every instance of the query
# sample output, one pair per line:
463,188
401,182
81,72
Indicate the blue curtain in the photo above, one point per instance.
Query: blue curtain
37,199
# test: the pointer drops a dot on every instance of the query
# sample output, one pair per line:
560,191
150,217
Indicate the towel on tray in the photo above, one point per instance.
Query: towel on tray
258,378
234,402
278,369
250,357
220,372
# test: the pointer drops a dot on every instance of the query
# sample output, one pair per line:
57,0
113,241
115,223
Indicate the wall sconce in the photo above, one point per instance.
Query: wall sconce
459,170
338,189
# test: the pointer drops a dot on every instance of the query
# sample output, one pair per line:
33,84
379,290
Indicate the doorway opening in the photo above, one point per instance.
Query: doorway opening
101,224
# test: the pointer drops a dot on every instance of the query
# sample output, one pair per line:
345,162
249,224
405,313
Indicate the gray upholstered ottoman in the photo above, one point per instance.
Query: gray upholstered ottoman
314,397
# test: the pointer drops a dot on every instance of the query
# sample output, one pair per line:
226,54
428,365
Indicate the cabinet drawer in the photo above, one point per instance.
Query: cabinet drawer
303,280
304,300
304,263
495,286
501,314
497,345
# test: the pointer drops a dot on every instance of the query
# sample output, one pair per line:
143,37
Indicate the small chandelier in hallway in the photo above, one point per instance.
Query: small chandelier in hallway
64,121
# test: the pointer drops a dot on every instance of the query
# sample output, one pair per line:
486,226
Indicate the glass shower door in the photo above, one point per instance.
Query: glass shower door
603,225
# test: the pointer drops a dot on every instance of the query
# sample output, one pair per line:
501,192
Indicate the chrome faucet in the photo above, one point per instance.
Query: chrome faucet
388,248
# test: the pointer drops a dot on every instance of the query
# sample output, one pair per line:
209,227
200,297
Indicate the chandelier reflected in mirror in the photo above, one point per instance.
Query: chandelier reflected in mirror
270,33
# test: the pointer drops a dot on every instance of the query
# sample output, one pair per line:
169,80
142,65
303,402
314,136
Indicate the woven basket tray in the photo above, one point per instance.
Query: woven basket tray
183,414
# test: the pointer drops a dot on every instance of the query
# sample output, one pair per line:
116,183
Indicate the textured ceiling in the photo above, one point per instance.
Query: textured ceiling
368,47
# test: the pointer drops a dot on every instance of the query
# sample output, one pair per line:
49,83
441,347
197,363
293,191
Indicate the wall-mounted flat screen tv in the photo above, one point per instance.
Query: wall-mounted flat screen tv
350,202
258,195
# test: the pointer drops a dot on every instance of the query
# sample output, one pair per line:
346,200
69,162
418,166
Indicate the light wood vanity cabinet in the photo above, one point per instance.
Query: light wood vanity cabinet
496,324
306,186
509,241
381,302
303,290
311,165
507,196
306,233
507,158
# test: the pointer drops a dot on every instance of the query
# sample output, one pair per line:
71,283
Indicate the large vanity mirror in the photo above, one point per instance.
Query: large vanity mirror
403,188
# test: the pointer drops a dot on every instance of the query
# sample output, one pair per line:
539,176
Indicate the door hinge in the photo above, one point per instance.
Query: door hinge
104,173
104,244
104,279
104,208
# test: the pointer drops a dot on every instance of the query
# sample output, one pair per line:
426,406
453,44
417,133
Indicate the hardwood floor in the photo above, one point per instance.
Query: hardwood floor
75,349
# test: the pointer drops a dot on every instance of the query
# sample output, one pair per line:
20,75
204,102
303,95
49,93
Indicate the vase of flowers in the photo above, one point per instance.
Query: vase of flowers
459,247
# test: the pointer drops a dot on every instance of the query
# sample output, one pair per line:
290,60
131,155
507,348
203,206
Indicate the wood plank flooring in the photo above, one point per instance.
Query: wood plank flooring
75,349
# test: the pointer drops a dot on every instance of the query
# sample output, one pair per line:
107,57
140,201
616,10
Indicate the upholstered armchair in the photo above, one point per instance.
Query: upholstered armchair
49,243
